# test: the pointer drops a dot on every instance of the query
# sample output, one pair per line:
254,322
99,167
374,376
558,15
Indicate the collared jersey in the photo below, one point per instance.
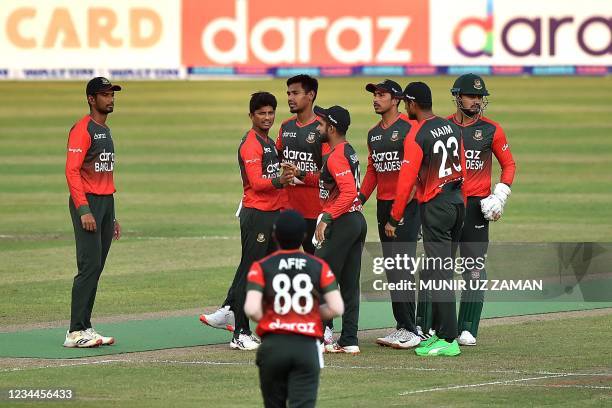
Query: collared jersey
482,139
432,158
339,181
301,145
90,161
386,152
293,284
259,165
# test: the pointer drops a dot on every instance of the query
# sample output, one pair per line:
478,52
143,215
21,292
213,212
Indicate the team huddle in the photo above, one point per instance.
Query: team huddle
432,177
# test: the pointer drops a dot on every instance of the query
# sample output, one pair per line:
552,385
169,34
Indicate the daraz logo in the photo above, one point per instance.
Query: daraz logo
544,30
274,32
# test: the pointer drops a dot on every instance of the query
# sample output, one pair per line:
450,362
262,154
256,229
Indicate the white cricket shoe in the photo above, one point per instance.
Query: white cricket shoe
81,339
106,341
405,339
256,339
223,318
243,342
466,339
336,348
388,339
328,336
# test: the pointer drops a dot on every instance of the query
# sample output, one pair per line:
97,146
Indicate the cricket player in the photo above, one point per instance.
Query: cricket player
482,139
284,294
385,155
299,143
432,161
90,163
262,201
341,227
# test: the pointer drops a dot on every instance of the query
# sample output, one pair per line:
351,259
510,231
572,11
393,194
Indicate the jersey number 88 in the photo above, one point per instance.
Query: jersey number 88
301,301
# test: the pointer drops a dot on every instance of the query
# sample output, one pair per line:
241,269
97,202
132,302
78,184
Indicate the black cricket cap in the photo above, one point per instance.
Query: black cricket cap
418,92
289,229
388,86
100,84
336,115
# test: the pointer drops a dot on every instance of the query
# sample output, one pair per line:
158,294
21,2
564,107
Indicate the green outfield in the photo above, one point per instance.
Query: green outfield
178,186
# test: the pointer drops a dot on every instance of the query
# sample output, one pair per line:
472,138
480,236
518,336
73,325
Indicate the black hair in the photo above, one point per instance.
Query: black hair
261,99
289,229
308,83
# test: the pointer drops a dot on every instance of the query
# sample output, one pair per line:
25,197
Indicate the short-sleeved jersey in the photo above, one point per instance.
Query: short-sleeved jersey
90,161
301,145
339,181
432,155
386,152
293,284
259,167
482,139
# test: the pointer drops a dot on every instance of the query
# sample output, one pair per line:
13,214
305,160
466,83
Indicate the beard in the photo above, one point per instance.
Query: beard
473,111
412,116
324,138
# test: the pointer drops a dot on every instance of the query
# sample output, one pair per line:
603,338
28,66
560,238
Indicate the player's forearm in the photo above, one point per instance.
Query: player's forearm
333,307
252,305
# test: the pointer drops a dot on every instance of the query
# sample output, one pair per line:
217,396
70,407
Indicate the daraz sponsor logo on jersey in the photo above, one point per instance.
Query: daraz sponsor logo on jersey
272,170
274,32
473,160
105,163
303,160
301,327
386,161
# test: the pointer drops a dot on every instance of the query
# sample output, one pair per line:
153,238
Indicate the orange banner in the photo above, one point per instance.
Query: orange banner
317,32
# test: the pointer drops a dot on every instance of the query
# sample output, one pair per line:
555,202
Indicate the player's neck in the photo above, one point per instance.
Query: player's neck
464,119
99,118
389,117
261,132
424,115
336,140
305,116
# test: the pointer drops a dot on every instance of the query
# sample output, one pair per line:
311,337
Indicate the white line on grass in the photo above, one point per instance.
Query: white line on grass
595,387
502,382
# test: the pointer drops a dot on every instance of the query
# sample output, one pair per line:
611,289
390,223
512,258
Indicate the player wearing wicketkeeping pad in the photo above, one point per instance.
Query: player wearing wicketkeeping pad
432,161
482,139
285,292
262,200
299,143
90,161
385,155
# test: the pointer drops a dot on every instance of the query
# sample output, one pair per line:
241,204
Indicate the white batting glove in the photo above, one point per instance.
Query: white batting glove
492,208
315,242
502,191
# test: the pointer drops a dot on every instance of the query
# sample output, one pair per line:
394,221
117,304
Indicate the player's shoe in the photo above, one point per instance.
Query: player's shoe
466,339
388,340
81,339
243,342
106,341
428,341
336,348
223,318
254,337
328,336
405,340
439,348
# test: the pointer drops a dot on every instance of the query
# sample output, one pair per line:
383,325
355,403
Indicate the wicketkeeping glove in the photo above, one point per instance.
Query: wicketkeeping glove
492,207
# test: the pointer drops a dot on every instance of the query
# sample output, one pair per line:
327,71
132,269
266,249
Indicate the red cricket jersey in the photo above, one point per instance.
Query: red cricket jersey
292,283
482,139
260,169
90,161
386,152
432,158
300,144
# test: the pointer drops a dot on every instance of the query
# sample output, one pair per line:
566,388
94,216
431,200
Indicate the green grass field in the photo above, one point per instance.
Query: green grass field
178,186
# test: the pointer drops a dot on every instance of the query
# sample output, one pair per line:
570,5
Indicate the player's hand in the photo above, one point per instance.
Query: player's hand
492,208
286,178
116,230
88,222
502,192
390,230
320,231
